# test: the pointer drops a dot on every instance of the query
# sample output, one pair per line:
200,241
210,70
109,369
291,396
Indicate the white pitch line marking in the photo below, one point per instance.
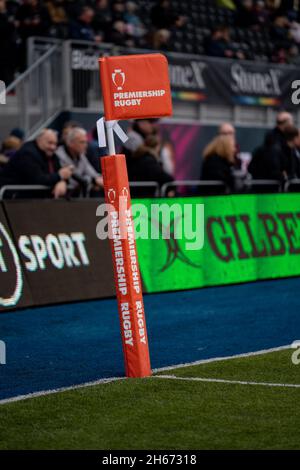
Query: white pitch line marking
58,390
237,382
162,369
225,358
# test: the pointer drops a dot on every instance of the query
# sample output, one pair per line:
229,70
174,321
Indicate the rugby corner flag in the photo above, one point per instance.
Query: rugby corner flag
135,86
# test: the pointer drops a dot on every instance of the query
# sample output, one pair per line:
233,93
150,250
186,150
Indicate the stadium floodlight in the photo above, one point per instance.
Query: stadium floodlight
136,87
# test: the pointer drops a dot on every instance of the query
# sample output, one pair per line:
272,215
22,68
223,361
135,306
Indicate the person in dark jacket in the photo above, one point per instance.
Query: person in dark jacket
36,163
81,29
219,159
33,19
276,135
268,159
276,158
281,161
144,165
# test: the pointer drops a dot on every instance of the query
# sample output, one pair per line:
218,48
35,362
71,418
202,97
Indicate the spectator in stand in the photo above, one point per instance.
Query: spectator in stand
119,35
275,162
276,135
73,153
68,125
3,162
135,27
295,32
81,29
262,14
275,159
245,15
273,5
36,163
287,7
280,56
93,152
279,32
144,165
291,161
103,17
275,151
227,129
162,15
8,48
32,19
161,40
10,146
59,18
293,55
118,11
219,160
219,45
17,132
141,129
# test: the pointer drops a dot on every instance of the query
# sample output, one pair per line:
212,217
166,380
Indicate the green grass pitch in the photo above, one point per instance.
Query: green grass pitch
161,413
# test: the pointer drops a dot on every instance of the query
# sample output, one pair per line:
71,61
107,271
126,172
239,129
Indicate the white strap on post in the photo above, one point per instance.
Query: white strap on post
110,127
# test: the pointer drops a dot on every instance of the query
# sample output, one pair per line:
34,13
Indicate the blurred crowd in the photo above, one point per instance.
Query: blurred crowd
277,158
277,20
69,164
124,23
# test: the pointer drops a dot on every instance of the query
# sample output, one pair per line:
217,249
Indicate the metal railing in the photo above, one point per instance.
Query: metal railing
37,96
209,187
263,186
15,189
292,185
146,184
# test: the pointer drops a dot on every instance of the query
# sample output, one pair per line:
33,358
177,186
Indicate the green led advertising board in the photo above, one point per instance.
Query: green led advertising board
246,238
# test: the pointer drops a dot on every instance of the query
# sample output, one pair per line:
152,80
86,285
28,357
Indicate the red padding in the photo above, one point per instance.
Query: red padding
126,267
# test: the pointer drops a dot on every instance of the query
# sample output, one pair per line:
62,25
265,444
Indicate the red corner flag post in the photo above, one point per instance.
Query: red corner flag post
135,86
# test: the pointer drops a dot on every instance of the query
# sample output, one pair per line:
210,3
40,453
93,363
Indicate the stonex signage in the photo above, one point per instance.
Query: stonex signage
135,86
247,238
52,254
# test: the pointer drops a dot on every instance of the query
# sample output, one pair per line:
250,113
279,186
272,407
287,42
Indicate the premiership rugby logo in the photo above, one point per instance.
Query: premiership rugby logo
135,98
118,78
111,195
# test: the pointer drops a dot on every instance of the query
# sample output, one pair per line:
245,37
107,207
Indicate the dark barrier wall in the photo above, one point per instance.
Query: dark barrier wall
49,252
59,255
